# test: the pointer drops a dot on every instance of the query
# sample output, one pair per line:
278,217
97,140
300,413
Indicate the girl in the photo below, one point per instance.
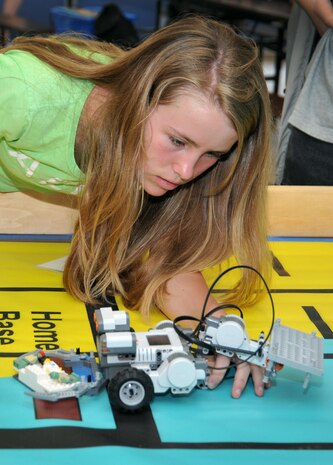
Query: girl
167,146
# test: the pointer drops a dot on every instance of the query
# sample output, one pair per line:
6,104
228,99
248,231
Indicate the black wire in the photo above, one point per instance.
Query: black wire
190,337
220,276
216,309
193,339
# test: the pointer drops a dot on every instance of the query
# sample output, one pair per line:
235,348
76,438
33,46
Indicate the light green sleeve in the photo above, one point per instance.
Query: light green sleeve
14,109
39,113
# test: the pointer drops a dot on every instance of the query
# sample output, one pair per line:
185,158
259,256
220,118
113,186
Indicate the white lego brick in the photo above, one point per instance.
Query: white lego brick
38,380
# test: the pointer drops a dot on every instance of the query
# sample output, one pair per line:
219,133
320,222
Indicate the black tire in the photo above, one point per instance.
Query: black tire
131,390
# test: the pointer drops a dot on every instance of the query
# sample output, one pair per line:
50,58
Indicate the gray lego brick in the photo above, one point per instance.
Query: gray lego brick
296,349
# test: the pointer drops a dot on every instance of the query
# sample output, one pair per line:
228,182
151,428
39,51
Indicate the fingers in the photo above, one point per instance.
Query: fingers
242,374
216,376
243,371
257,378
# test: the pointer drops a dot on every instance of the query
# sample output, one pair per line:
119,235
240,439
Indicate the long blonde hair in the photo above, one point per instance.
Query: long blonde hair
128,242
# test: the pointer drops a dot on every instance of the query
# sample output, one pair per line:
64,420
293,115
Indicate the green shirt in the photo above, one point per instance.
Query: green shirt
39,113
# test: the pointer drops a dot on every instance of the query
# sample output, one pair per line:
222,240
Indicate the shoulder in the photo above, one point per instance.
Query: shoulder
25,76
19,64
37,82
14,99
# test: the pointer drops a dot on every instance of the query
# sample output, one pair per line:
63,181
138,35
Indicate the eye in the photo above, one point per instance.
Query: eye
222,156
217,155
176,142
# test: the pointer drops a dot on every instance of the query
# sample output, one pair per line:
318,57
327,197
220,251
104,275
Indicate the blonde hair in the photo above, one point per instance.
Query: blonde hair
128,242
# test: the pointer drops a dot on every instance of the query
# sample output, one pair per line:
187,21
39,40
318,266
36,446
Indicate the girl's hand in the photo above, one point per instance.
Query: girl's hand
243,372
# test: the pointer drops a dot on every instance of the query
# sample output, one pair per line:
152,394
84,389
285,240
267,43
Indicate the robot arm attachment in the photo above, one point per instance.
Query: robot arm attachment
287,346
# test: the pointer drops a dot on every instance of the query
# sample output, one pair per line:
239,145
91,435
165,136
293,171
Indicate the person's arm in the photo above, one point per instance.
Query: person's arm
14,102
10,7
320,12
186,295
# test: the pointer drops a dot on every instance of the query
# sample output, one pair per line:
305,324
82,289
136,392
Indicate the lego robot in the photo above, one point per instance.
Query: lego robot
137,365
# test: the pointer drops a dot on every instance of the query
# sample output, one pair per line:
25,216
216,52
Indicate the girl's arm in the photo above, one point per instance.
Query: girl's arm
186,296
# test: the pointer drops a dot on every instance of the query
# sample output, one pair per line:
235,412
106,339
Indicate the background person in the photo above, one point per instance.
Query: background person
305,153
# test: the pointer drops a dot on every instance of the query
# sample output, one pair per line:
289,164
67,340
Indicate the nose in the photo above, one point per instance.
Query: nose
185,165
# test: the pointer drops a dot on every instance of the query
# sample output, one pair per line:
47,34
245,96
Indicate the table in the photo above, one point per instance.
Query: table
286,425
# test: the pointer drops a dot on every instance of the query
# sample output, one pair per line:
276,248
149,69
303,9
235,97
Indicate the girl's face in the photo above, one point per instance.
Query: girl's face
182,140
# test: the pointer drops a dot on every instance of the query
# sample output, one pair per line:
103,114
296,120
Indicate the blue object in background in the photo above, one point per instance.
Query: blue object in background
145,11
70,19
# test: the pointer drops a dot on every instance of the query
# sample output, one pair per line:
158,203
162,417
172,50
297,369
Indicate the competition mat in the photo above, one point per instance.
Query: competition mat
286,425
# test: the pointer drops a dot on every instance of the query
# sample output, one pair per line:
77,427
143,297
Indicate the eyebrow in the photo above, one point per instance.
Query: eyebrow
182,136
192,142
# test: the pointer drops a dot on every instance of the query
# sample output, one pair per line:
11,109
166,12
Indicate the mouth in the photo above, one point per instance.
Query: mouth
168,185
